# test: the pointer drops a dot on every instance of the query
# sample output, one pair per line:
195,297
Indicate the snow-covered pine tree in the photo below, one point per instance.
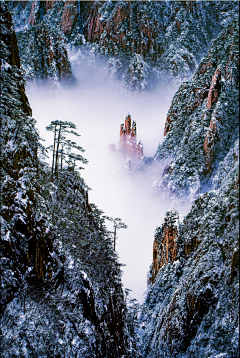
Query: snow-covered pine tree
62,147
61,290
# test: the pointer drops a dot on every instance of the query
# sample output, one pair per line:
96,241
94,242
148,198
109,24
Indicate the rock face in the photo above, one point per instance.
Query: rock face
128,140
201,124
165,245
69,17
195,283
193,287
156,31
38,10
44,55
124,17
25,236
49,235
10,40
42,45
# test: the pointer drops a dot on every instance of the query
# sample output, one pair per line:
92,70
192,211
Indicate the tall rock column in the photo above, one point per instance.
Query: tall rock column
166,243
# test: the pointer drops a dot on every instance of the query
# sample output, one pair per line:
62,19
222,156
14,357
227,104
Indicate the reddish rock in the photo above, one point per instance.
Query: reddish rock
31,19
49,4
236,183
178,25
69,17
214,88
128,140
166,243
54,50
167,125
203,69
155,266
96,26
190,246
128,124
209,143
234,264
10,39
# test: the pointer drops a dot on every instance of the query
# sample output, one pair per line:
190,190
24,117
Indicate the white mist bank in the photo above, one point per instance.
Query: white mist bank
98,110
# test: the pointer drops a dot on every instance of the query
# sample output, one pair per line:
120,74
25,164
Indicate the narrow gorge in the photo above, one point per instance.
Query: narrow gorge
119,179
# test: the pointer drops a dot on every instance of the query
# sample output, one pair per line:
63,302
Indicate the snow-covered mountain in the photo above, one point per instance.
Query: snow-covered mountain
61,290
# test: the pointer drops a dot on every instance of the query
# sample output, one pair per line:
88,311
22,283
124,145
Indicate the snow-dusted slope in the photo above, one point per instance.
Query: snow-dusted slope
61,290
191,307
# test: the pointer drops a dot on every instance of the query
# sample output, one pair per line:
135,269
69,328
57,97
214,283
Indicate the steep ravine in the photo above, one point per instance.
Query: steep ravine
61,281
98,111
61,290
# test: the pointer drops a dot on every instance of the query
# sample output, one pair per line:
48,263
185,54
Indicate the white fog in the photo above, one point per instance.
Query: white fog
98,109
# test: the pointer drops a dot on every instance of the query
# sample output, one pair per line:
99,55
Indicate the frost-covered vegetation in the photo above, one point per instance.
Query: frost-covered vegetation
191,305
202,122
61,291
191,308
168,38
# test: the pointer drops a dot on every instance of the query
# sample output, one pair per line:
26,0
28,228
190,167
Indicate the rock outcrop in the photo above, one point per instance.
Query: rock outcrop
201,124
166,243
128,144
26,240
69,17
193,287
156,31
128,17
42,46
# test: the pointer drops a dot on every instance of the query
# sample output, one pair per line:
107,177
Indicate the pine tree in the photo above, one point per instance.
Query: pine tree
62,147
117,224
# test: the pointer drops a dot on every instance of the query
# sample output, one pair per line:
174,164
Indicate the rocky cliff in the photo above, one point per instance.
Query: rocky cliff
202,122
165,244
191,304
172,35
61,291
25,235
42,44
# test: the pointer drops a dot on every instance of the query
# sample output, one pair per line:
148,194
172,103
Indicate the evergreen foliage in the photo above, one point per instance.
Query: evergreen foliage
200,129
61,290
62,147
42,45
191,309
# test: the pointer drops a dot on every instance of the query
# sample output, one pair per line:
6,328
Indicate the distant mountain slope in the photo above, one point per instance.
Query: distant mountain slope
170,36
61,292
41,28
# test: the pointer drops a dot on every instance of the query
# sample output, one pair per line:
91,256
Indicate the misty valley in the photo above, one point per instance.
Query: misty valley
119,179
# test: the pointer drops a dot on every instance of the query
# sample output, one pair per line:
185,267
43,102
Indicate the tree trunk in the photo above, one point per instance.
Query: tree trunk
62,158
115,237
57,152
54,145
